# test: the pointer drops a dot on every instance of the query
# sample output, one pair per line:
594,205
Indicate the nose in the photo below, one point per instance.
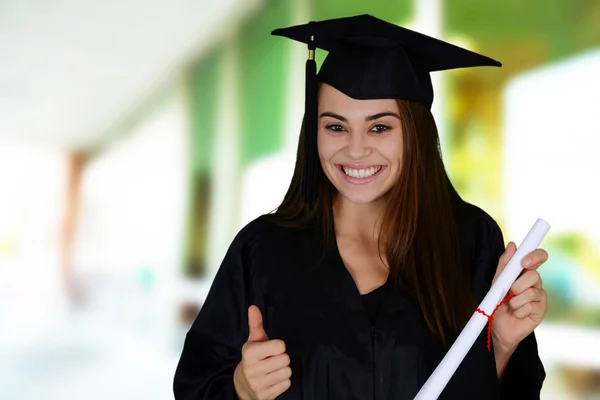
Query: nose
358,147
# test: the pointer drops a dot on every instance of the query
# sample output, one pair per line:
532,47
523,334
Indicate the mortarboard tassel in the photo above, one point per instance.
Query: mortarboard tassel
311,162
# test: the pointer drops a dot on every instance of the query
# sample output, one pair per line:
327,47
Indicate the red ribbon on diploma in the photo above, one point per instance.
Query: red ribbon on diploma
491,318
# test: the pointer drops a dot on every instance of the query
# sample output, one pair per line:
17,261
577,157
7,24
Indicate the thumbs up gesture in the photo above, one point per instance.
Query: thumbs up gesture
264,372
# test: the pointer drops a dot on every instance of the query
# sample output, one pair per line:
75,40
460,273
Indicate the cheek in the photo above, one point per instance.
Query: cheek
397,153
326,147
392,151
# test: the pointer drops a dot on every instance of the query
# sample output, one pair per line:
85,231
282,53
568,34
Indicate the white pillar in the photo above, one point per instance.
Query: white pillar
295,85
224,200
428,19
267,180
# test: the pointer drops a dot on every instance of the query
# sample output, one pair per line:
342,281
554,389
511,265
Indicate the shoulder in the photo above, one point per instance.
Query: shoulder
475,223
264,236
265,227
482,243
480,235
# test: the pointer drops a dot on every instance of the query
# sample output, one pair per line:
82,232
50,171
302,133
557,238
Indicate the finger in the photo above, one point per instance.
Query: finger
257,351
534,259
278,376
534,310
525,281
273,391
270,364
255,323
510,250
274,363
528,296
259,370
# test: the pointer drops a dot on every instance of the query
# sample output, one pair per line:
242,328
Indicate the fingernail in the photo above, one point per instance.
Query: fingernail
527,261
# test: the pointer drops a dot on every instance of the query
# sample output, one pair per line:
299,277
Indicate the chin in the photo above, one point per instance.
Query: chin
361,198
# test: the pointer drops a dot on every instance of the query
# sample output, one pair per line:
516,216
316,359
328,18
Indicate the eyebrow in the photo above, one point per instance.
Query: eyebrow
368,118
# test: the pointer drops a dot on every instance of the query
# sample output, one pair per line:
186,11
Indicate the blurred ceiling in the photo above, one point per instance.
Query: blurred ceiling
70,70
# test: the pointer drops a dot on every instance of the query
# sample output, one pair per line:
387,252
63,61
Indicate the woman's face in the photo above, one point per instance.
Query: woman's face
360,144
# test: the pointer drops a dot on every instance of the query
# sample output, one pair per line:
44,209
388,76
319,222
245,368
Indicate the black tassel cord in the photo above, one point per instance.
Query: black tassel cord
311,160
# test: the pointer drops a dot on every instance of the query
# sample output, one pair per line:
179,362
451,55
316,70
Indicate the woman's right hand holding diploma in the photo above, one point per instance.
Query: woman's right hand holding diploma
264,372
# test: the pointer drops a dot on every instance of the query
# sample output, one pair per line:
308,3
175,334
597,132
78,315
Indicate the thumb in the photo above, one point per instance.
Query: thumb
255,323
510,251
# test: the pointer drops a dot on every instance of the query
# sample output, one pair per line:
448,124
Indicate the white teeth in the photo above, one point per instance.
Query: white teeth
361,173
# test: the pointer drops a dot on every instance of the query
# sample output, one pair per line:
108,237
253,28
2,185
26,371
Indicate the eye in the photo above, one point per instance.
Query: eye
380,128
335,128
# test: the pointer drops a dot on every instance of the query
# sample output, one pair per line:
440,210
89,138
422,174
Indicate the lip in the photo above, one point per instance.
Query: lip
358,166
360,181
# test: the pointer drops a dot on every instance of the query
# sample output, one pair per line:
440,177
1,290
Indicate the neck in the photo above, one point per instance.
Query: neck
359,221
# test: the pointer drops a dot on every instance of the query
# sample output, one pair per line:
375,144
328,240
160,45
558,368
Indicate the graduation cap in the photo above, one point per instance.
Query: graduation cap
369,58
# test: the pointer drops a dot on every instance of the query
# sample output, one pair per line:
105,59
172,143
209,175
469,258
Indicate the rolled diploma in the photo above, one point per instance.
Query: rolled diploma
444,371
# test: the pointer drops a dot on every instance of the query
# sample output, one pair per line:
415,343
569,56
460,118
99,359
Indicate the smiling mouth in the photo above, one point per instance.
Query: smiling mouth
361,173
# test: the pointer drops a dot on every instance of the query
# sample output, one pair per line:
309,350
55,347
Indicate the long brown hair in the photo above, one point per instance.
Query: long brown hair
418,230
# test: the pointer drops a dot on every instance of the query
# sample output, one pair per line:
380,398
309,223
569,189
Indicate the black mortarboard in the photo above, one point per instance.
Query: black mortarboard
370,59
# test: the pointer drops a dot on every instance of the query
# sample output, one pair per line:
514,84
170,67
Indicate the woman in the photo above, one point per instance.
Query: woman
360,281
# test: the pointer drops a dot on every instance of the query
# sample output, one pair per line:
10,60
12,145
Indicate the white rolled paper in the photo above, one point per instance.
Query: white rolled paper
444,371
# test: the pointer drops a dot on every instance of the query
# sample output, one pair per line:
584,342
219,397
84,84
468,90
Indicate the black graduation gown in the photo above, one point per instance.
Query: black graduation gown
336,351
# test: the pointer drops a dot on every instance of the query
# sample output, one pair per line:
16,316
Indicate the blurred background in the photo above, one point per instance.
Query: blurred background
137,138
